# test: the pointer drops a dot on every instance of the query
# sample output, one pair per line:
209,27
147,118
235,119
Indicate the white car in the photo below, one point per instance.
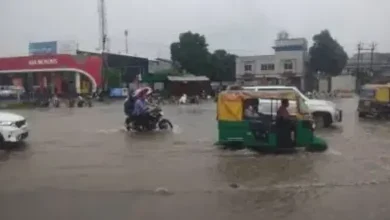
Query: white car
324,112
13,128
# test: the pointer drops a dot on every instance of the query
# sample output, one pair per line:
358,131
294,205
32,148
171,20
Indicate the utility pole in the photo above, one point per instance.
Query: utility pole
373,47
360,48
126,42
103,39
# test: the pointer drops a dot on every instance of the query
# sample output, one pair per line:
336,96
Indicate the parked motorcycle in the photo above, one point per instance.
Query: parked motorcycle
42,103
153,122
55,102
88,100
71,103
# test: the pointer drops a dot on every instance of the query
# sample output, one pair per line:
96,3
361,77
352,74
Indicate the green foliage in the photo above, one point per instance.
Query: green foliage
113,77
327,55
191,54
223,66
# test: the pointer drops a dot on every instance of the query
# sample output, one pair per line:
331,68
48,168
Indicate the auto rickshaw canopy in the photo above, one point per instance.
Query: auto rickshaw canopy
230,105
382,92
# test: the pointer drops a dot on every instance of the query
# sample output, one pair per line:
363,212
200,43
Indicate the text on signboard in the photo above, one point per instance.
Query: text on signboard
43,62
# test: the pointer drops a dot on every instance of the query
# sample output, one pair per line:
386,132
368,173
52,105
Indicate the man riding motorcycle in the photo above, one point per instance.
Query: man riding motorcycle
140,111
141,116
135,107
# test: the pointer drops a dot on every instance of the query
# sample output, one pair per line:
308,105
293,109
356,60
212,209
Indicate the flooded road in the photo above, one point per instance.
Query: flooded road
80,164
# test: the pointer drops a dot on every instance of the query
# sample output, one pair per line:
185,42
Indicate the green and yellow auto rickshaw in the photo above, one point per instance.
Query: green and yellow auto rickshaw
266,133
374,100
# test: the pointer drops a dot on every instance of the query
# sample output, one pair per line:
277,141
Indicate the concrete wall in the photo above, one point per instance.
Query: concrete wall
343,82
297,58
256,62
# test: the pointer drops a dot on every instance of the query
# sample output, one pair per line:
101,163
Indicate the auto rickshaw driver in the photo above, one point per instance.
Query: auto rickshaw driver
282,111
285,125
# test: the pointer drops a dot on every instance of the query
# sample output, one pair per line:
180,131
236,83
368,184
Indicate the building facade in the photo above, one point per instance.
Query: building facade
159,65
56,72
286,66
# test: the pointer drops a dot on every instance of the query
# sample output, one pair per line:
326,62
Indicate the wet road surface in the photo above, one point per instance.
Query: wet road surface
80,164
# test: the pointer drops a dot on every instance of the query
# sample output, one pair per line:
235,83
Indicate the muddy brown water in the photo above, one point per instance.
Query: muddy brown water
80,164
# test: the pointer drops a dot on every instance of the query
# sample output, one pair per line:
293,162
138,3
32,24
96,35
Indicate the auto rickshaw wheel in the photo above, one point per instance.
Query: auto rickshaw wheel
1,141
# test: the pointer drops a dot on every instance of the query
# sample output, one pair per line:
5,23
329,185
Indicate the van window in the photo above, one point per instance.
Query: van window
268,107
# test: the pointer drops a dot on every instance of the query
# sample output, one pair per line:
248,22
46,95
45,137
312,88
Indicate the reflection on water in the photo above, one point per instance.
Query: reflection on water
265,170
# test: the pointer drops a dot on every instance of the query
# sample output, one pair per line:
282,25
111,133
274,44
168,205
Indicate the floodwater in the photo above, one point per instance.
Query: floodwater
81,164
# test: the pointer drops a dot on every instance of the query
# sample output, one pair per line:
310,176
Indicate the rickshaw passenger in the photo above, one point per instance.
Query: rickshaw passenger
250,112
255,121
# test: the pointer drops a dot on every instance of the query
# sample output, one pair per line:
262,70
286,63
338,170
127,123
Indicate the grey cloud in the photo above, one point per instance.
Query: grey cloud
241,26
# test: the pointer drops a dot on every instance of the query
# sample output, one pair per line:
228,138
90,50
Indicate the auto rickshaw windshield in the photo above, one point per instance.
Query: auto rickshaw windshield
367,93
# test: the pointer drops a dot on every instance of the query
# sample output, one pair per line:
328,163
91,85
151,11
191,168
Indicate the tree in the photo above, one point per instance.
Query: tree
191,53
327,55
113,77
223,66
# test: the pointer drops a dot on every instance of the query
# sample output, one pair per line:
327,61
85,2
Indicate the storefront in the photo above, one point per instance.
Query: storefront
53,72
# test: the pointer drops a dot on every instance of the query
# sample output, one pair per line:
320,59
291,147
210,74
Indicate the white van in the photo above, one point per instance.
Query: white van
324,112
13,128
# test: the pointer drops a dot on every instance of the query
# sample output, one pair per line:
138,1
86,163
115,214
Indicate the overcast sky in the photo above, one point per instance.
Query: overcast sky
243,27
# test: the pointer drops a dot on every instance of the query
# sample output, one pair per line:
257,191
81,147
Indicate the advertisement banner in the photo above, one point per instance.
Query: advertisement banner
116,92
39,48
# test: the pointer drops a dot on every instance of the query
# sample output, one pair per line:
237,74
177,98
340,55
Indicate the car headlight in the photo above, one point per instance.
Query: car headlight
7,123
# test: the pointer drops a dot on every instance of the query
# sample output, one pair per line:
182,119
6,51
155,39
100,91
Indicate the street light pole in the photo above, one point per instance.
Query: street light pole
126,42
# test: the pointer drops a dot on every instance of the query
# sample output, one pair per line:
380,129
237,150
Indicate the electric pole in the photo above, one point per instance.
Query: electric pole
372,49
360,48
126,41
102,25
103,39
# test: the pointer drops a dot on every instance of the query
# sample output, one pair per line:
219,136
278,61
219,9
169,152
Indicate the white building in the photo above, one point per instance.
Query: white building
285,66
159,65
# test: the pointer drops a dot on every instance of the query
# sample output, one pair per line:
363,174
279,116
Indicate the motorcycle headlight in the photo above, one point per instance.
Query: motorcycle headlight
7,123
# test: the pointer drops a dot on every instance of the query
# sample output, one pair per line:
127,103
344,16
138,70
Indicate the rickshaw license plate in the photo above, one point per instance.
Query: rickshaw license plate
366,103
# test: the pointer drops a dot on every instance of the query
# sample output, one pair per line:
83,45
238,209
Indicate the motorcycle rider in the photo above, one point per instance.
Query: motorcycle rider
128,109
140,111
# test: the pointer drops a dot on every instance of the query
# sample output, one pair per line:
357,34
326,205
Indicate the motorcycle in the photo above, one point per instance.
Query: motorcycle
42,103
154,121
55,101
87,101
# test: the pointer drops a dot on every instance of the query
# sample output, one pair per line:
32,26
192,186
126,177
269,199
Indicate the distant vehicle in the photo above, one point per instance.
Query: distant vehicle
13,128
324,112
8,93
374,101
